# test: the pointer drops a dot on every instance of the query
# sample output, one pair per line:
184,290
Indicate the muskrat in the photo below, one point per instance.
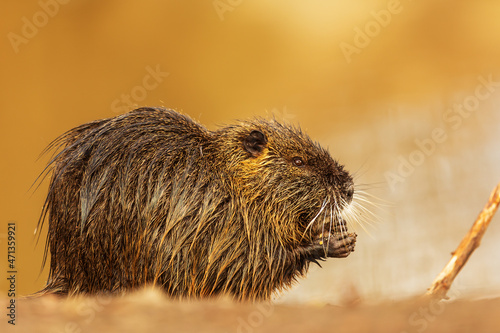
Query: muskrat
152,197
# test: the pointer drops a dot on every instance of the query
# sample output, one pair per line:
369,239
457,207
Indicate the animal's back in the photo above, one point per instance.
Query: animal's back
117,185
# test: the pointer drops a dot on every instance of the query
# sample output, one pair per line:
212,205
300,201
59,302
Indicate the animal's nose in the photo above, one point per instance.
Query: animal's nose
349,193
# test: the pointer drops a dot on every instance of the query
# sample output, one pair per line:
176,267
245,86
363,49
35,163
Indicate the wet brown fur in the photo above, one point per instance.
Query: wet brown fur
152,197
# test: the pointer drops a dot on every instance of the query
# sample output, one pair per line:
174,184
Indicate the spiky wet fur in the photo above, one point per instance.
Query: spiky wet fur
152,197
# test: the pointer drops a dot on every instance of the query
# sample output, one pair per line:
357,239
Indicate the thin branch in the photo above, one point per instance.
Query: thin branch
468,244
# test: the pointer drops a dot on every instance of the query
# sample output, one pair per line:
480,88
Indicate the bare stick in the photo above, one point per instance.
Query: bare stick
468,244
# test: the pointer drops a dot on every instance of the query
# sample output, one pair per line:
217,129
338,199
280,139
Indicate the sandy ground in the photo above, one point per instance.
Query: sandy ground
151,311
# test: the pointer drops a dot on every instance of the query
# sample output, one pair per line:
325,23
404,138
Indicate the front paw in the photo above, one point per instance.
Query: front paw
337,246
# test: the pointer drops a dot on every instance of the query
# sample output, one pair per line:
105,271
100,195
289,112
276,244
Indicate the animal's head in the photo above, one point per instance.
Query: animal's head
290,182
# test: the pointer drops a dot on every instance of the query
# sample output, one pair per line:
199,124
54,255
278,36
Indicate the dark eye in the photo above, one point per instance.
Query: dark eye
297,161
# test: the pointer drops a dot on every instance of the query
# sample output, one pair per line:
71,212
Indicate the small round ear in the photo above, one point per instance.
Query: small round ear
255,143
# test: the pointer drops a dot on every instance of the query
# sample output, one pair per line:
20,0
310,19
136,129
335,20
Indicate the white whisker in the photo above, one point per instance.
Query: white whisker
330,229
338,216
371,199
325,249
325,202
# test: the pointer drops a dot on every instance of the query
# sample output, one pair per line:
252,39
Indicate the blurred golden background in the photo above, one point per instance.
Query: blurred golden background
405,93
